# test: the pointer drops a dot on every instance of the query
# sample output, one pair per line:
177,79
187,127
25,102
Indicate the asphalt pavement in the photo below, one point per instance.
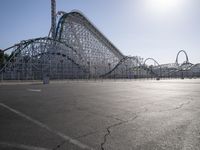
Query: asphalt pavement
102,115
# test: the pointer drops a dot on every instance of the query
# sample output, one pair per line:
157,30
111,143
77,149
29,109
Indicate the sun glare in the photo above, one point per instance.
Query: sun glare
163,6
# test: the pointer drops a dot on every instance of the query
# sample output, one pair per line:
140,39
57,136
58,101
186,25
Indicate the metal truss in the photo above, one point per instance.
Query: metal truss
96,52
78,50
36,58
174,70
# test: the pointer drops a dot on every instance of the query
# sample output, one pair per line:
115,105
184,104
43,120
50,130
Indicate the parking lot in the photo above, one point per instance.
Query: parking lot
102,114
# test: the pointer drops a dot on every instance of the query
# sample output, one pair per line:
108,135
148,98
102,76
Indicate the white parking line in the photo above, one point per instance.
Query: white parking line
34,90
67,138
20,146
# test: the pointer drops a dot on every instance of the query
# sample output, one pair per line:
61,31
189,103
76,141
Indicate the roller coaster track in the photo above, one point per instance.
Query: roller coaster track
84,48
119,63
187,66
123,60
77,15
42,38
21,46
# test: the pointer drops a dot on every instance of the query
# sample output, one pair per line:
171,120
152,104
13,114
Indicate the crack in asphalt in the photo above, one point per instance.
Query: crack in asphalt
118,124
87,134
112,126
181,105
177,107
118,119
108,129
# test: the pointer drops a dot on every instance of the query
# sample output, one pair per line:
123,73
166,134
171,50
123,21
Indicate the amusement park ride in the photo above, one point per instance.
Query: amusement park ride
76,49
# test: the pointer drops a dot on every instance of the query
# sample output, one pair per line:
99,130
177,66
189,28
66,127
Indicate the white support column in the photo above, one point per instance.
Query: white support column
53,18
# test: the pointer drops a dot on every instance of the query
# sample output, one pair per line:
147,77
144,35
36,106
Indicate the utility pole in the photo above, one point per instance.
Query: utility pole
53,19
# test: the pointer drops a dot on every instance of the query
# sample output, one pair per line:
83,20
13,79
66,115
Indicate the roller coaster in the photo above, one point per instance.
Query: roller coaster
76,49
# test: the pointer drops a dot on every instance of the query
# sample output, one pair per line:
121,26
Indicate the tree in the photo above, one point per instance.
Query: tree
3,58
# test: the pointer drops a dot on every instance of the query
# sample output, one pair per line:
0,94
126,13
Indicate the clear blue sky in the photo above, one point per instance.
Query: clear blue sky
147,28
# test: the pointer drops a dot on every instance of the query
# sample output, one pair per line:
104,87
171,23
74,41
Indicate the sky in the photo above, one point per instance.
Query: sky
146,28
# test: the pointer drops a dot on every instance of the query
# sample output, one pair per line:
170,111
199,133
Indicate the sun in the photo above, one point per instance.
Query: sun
162,6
